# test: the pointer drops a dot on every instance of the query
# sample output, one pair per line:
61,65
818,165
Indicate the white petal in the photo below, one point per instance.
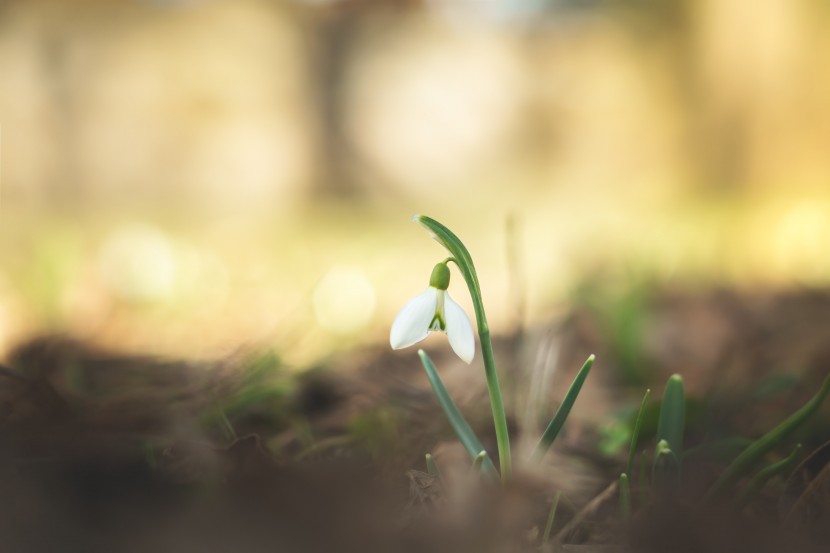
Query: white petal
412,323
459,330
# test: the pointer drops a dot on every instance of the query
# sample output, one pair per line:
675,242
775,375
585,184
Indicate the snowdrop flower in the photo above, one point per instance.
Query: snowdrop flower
434,309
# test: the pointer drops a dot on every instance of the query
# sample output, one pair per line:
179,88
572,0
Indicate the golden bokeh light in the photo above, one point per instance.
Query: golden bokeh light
343,301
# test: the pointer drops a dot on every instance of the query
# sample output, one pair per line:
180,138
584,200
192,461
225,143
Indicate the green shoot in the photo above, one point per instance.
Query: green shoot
764,475
666,467
672,415
461,427
635,435
625,497
562,413
752,454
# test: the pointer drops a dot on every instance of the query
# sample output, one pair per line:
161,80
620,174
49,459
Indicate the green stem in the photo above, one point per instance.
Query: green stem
461,257
497,406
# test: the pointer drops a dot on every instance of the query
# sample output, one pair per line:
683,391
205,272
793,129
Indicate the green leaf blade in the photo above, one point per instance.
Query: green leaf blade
459,424
767,442
765,474
672,420
558,420
635,434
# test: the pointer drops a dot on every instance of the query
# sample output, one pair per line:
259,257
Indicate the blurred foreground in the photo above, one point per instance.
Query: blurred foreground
103,452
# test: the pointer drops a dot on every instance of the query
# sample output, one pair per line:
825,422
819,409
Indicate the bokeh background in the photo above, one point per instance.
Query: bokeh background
189,177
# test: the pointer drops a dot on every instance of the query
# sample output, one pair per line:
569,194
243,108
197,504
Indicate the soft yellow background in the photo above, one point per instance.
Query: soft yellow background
189,177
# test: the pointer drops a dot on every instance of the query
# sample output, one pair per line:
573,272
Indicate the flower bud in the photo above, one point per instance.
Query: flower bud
440,278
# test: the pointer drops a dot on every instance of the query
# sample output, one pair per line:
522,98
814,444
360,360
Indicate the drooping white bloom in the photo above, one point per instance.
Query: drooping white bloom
434,310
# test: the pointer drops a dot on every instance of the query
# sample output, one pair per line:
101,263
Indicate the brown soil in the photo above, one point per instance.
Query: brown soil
102,452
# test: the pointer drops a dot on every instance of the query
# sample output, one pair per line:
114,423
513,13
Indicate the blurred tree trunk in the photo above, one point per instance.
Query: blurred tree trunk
335,30
329,65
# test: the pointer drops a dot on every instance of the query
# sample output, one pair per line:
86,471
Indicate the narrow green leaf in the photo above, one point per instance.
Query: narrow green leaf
551,516
625,497
462,429
562,413
766,473
635,435
767,442
672,415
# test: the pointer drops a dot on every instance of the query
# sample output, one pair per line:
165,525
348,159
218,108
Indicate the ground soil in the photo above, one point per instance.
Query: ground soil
105,452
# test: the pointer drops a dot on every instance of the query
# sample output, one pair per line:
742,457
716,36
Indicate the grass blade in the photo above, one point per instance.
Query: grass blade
635,435
767,442
562,413
462,429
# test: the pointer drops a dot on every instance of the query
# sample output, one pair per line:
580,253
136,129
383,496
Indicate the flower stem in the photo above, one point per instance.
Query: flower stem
464,261
496,405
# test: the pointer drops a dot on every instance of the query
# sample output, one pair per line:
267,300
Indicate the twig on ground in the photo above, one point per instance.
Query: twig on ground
589,509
